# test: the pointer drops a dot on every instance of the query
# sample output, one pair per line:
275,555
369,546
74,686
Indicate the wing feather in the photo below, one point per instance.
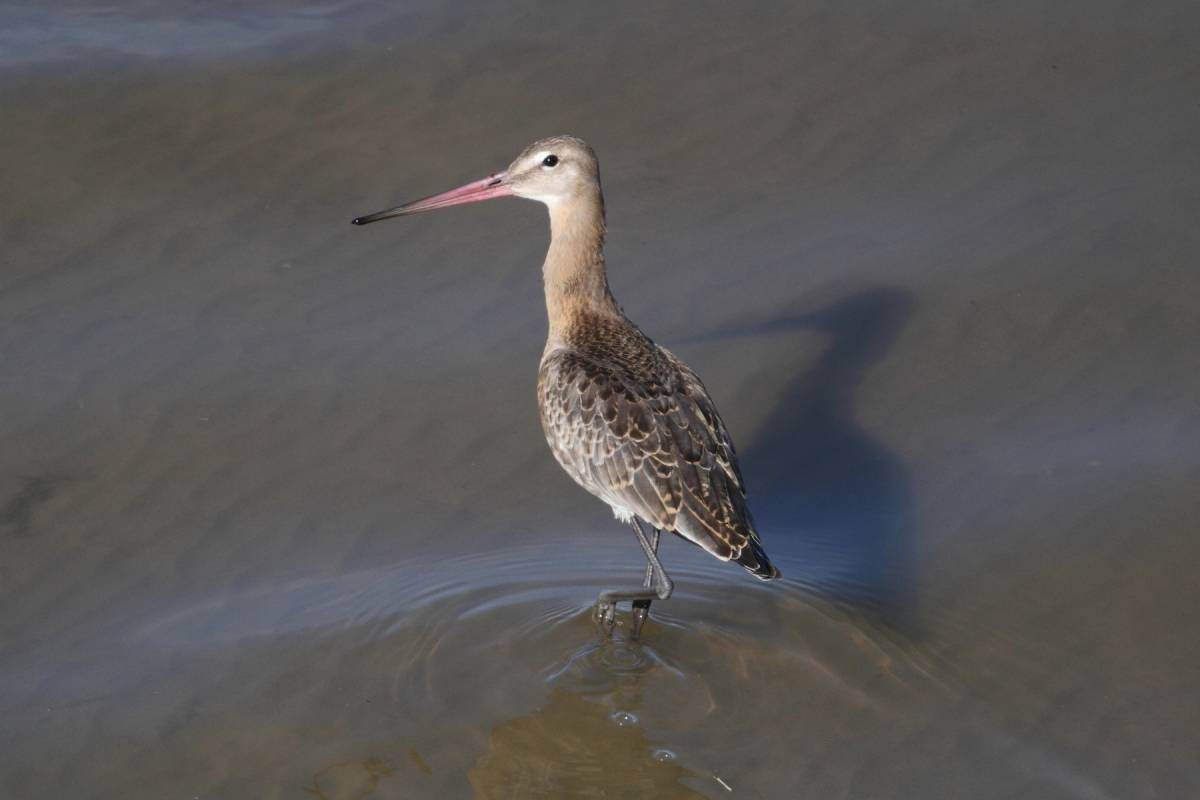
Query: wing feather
650,444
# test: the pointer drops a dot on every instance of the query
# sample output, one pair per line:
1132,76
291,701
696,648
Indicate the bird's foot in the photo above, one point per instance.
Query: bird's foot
605,616
641,611
606,609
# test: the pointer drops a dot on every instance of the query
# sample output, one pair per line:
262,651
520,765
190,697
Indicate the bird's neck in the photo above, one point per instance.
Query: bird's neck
575,279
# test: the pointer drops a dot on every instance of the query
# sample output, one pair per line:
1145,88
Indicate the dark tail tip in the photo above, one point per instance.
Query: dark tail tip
754,560
766,572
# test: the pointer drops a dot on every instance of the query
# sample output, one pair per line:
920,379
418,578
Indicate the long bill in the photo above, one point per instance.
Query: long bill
492,186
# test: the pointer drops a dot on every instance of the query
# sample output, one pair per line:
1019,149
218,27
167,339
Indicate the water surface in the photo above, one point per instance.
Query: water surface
276,515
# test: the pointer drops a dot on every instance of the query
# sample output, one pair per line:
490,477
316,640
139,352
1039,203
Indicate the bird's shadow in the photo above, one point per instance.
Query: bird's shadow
828,496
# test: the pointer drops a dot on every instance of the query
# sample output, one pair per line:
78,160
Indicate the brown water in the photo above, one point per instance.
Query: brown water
276,516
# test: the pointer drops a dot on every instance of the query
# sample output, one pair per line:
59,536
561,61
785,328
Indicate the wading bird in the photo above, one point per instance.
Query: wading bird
629,421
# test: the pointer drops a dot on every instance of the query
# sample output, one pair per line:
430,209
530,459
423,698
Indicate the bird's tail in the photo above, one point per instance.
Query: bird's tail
755,561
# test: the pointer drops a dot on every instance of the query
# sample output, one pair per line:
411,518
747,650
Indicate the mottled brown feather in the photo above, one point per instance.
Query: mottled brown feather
633,425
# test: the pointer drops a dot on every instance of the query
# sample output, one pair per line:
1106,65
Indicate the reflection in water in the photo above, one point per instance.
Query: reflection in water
576,714
500,677
572,747
655,717
349,780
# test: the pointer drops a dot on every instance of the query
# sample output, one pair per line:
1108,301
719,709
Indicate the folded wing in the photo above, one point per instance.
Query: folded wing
651,444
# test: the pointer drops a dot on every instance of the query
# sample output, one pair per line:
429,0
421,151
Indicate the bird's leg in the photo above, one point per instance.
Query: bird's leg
648,581
606,605
655,568
641,608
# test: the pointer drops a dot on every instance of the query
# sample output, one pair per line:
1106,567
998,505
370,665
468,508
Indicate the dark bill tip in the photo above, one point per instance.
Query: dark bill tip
367,219
486,189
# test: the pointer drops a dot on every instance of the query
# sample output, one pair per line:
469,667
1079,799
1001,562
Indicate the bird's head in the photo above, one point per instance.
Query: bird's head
555,170
552,171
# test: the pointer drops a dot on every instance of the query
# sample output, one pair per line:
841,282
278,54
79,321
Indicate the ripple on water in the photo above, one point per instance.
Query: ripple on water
722,664
504,644
518,602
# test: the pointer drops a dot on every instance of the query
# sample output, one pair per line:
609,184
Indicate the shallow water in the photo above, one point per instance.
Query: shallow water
276,515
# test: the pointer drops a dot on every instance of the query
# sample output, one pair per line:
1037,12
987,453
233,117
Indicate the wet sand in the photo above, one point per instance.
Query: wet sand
276,515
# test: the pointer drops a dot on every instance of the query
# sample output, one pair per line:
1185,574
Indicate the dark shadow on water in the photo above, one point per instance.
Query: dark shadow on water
823,490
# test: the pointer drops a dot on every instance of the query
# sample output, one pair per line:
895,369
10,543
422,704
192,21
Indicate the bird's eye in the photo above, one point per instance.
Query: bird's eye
549,161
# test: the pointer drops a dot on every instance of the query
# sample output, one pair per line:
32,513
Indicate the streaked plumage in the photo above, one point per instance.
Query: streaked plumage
629,421
633,425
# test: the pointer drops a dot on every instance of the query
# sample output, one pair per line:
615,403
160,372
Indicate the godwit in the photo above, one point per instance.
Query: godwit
629,421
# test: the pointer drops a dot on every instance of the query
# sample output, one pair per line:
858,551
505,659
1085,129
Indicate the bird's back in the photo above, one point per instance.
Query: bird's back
634,426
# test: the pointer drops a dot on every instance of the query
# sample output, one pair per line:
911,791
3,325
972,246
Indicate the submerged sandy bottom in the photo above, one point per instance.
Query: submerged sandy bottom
276,516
